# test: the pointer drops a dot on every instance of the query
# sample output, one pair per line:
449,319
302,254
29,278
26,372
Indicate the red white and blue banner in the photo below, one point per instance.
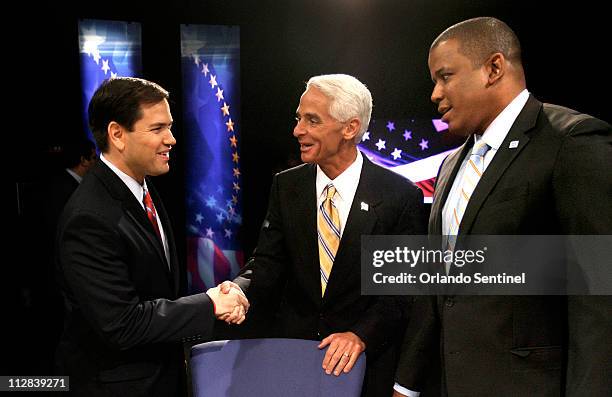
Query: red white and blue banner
211,104
413,148
107,49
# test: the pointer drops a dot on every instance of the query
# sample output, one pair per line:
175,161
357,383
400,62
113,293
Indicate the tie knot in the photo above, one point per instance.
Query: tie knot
480,148
146,197
331,191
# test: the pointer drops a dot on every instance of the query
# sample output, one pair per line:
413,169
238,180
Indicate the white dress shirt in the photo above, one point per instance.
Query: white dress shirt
346,186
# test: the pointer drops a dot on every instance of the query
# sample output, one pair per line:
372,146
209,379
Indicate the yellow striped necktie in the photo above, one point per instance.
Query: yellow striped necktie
328,231
473,171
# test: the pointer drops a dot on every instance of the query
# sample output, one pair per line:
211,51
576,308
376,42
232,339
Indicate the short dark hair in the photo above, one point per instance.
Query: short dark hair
73,152
481,37
119,99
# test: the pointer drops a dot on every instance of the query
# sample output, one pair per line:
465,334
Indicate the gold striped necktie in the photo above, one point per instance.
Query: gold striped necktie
328,231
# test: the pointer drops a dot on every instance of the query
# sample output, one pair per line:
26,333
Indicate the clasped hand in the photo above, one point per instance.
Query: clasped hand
231,305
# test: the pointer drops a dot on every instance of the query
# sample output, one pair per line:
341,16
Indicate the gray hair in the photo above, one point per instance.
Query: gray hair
349,98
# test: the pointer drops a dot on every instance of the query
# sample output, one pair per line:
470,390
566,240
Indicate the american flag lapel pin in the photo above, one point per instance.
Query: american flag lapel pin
513,144
364,206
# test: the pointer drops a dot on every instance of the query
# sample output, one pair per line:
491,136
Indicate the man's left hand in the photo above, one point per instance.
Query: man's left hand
343,351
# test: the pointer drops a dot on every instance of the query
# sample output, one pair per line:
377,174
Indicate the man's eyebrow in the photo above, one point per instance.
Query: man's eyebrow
160,124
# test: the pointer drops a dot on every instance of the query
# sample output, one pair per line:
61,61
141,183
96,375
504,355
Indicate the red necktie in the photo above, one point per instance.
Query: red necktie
151,214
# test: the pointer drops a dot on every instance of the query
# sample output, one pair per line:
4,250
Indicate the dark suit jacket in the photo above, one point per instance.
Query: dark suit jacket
557,181
124,318
287,257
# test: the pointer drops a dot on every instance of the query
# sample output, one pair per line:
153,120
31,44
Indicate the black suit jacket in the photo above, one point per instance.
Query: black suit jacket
124,317
557,181
287,258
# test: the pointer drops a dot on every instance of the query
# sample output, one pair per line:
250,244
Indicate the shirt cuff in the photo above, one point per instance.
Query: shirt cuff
401,389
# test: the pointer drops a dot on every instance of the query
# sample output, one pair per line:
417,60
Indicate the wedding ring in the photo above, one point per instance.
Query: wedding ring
346,354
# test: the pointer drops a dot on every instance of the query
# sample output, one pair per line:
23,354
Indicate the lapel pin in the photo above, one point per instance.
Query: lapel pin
364,206
513,144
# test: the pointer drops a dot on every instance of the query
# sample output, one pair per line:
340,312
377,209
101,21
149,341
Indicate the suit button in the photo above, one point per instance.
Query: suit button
449,302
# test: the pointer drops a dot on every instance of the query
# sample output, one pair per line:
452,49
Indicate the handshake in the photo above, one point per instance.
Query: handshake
231,305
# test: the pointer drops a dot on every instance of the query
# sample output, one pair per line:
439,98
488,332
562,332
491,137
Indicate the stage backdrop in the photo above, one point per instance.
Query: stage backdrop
108,49
413,148
211,104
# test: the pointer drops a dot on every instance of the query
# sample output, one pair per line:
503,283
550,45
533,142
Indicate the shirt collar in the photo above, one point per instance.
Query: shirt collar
135,187
345,182
495,134
76,176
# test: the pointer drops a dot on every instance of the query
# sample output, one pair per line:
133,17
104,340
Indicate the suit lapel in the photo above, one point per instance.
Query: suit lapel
133,210
359,222
525,121
174,271
303,197
444,182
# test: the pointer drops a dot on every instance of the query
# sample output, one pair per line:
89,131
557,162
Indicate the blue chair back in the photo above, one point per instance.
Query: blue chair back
268,367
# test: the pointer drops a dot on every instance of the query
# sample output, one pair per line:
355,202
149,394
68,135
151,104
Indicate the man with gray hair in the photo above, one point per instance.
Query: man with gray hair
309,245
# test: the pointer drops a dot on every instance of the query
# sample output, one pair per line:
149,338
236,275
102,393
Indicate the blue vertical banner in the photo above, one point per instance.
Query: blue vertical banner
211,88
107,49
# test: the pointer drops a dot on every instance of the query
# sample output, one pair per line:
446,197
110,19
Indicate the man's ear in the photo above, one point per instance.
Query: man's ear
116,135
496,68
352,128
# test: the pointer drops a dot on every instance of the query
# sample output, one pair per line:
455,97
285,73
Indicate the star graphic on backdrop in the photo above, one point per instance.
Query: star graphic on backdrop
209,233
236,172
212,81
391,126
228,233
220,217
236,186
196,59
113,75
205,69
234,199
366,136
424,144
397,153
233,140
380,144
230,125
407,135
105,66
96,57
211,202
235,157
225,109
199,218
219,94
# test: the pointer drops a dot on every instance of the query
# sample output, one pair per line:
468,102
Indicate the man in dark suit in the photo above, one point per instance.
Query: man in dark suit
117,260
78,158
545,172
294,249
